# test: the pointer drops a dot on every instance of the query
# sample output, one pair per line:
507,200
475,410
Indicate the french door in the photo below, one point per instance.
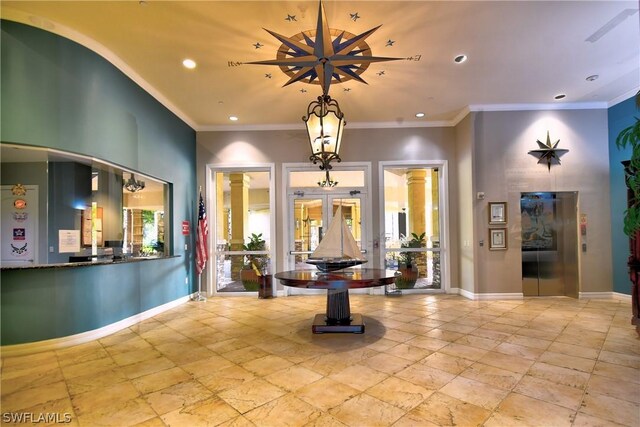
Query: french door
312,211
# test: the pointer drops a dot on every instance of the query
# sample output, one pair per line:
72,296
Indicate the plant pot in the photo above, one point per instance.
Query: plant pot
250,280
408,277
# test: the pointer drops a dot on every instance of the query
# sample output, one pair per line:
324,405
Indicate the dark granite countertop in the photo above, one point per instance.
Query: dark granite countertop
104,261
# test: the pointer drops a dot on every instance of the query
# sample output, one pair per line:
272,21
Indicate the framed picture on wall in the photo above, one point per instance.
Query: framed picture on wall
497,213
497,239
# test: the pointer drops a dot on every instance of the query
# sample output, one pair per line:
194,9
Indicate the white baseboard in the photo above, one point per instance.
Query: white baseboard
83,337
603,295
623,297
486,297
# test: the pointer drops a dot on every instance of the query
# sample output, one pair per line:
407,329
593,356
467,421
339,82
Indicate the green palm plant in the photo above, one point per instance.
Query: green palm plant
630,136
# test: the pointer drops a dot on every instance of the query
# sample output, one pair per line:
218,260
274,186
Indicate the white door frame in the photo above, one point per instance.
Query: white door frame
365,209
443,191
210,191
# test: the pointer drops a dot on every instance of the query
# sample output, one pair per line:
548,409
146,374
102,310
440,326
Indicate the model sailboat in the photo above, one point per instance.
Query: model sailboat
338,249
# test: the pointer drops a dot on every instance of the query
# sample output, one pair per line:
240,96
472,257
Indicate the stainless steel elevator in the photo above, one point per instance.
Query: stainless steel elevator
549,243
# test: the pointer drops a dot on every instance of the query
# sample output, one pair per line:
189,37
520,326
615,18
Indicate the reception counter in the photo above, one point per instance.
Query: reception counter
54,301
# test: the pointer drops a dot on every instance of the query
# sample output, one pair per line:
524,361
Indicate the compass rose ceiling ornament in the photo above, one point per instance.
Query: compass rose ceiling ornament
333,56
548,153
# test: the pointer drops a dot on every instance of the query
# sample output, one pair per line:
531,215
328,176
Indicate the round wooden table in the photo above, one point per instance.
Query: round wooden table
338,317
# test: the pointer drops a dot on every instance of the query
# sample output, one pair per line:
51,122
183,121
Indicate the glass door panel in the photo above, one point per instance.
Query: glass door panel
412,226
309,218
242,229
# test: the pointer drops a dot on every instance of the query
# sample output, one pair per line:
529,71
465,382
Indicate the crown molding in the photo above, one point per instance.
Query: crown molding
539,107
623,97
91,44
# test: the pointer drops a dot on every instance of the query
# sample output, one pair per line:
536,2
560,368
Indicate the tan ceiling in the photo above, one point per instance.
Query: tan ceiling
521,54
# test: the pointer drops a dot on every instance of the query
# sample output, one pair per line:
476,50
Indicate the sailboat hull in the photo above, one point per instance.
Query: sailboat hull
326,265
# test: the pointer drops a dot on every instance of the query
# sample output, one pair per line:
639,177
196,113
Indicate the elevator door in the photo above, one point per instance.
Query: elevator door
549,244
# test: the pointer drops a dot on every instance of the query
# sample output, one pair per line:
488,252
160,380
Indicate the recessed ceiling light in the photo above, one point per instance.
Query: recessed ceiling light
233,118
559,96
460,59
592,78
420,115
189,63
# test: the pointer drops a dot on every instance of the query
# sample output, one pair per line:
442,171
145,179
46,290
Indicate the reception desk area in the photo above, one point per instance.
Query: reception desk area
73,302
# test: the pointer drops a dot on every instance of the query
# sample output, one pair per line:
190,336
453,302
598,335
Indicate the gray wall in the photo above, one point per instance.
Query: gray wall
359,145
487,152
504,169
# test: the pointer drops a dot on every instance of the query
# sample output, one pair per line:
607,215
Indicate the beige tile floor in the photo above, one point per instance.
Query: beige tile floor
424,361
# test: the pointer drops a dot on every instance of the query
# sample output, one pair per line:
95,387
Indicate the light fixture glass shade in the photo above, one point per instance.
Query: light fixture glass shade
325,123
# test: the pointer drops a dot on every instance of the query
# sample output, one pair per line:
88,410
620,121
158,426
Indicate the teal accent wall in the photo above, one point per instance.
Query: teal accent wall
58,94
621,116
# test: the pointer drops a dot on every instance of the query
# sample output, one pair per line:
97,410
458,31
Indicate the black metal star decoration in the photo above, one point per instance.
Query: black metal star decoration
548,152
335,56
290,18
258,45
354,16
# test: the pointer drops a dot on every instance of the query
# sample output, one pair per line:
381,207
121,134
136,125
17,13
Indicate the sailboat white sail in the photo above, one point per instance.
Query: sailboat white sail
338,248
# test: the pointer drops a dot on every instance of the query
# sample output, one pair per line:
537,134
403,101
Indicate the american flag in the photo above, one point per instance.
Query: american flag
201,238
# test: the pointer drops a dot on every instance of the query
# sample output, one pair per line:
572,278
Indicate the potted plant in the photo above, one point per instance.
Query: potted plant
407,265
630,136
255,265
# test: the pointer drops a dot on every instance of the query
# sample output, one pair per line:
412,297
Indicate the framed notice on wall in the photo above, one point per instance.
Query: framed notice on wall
497,213
497,239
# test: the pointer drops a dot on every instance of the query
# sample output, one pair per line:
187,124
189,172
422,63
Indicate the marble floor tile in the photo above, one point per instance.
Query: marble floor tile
612,370
566,361
558,394
251,395
387,363
146,367
209,412
425,376
408,352
614,387
377,413
445,362
496,377
284,411
519,410
226,378
292,378
358,376
161,379
443,410
474,392
424,360
39,395
326,393
631,361
98,398
176,396
119,413
559,375
400,393
612,409
78,385
584,420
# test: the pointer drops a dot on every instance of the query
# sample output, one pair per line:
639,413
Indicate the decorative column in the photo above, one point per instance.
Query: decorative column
220,218
416,181
416,201
239,218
